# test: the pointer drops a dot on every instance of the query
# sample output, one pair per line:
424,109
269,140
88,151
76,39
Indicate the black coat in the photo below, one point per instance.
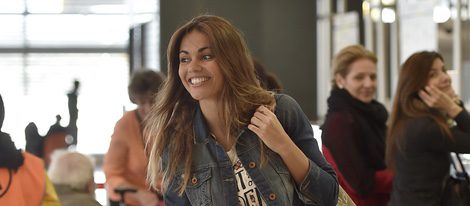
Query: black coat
354,133
424,161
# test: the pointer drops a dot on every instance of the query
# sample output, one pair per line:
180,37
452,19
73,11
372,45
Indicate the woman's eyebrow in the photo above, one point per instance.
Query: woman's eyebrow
199,50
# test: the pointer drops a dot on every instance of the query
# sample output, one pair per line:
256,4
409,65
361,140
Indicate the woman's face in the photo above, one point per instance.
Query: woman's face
144,104
198,69
360,82
439,78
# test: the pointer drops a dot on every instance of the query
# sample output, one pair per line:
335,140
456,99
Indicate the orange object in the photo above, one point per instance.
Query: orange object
27,186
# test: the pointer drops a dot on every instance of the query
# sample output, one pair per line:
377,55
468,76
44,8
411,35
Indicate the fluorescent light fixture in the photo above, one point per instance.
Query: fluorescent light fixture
375,14
388,15
441,14
375,3
388,2
365,8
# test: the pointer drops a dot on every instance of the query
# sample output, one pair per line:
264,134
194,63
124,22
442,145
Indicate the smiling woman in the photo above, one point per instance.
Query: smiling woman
354,128
198,69
219,138
428,122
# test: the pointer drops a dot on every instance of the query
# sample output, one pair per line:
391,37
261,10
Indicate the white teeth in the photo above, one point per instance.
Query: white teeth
198,80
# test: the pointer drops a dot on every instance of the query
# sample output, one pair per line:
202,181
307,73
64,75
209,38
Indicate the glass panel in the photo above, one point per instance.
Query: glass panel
12,30
77,30
12,6
45,6
48,77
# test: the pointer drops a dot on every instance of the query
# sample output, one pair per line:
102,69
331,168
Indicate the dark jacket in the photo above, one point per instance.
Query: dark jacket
214,174
424,162
354,133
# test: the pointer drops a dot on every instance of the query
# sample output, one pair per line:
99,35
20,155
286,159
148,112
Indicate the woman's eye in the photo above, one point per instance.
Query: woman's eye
359,77
184,60
207,57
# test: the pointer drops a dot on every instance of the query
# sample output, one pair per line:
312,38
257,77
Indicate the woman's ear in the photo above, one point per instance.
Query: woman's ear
339,81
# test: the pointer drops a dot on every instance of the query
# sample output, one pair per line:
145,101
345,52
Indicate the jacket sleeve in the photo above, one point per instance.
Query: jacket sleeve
115,161
320,186
428,133
460,133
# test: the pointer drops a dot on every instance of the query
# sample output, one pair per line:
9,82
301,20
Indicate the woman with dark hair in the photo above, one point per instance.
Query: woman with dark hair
23,180
219,138
427,122
353,133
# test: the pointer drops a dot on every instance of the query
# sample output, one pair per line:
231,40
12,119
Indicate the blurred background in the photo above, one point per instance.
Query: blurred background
45,45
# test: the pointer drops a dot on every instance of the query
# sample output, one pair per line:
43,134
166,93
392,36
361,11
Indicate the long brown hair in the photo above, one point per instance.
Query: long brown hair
169,125
414,76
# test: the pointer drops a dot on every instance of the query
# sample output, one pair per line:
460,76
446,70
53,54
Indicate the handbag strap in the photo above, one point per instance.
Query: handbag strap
459,173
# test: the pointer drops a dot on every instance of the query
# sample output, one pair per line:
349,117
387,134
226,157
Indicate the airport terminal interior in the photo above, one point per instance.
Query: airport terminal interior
47,46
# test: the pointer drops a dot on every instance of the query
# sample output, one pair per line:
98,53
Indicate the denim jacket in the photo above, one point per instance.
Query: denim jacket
212,181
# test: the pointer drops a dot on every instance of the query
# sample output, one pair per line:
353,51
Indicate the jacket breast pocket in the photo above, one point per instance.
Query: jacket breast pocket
198,189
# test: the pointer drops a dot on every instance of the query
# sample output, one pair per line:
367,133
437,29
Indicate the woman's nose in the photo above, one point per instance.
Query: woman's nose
194,66
446,77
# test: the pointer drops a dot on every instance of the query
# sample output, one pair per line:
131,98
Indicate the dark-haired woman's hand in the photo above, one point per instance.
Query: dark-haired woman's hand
437,99
265,124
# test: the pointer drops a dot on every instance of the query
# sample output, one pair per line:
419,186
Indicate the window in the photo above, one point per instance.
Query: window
43,50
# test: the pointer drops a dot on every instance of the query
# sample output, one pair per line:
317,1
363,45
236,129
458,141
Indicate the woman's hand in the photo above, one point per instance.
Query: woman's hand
437,99
265,124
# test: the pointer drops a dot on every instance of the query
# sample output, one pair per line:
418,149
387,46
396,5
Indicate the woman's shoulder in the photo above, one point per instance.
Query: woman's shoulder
421,127
127,118
284,101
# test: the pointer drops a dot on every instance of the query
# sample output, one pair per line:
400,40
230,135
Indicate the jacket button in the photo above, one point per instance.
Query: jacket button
272,196
194,180
252,165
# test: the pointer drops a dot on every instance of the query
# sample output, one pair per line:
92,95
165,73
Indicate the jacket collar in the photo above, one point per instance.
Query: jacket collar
246,138
201,133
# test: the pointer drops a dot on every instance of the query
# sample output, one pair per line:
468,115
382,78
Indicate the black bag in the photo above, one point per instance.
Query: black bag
456,190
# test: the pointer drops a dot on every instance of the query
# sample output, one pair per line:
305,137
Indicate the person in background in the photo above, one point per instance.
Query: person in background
72,176
428,121
267,79
23,180
219,138
353,133
125,162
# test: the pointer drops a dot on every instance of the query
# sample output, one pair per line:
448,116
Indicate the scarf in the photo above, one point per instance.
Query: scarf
368,123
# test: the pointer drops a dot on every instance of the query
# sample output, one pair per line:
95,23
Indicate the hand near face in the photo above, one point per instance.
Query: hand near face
265,124
437,99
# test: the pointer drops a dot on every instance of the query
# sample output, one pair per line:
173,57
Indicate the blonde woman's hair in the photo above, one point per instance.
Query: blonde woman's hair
169,125
346,57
